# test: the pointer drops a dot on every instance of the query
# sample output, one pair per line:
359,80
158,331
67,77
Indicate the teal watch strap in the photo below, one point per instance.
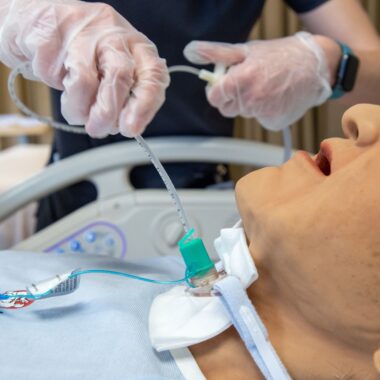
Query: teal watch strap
338,89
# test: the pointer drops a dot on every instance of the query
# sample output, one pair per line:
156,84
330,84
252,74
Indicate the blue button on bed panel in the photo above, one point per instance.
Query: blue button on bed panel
75,246
90,236
109,242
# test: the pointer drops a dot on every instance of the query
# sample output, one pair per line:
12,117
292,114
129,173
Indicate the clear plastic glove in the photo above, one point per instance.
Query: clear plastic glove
274,81
111,75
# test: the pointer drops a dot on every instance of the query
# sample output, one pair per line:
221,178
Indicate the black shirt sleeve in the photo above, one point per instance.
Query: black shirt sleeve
301,6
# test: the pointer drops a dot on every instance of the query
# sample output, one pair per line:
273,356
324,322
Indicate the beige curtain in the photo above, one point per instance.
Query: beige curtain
33,94
277,21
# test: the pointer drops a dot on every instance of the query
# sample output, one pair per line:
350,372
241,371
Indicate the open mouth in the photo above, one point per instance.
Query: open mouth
323,161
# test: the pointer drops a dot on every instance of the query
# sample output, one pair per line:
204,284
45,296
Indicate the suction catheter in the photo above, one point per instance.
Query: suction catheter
201,273
200,269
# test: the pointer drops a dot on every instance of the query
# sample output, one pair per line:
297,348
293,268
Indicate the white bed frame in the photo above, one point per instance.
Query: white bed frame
129,223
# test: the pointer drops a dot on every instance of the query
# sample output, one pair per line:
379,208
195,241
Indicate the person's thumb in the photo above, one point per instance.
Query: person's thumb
202,52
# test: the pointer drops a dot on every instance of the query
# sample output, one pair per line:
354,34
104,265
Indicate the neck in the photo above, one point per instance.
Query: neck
306,351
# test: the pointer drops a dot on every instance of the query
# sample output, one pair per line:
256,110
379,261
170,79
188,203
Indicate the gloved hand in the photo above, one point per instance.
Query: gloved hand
112,77
274,81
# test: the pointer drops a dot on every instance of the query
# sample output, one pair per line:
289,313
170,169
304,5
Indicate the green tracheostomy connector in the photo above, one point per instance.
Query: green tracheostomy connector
197,260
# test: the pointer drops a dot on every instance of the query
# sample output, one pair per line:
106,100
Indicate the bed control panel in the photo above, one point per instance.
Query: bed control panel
100,238
137,225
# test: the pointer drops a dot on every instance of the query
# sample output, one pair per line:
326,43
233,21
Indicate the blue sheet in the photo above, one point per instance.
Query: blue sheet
97,333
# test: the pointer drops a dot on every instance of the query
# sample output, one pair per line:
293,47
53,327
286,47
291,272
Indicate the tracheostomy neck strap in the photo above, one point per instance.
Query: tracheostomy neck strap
250,328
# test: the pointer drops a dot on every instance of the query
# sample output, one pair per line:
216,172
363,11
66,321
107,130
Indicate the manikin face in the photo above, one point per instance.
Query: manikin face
314,225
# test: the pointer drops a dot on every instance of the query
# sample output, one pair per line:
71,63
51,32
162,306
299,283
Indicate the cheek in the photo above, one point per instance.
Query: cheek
327,251
261,193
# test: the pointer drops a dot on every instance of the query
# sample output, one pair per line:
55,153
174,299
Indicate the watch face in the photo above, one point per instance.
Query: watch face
352,65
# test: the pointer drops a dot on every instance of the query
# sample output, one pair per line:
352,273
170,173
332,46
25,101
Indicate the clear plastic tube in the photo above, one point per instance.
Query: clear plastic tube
79,130
168,183
184,69
127,275
4,297
22,107
287,139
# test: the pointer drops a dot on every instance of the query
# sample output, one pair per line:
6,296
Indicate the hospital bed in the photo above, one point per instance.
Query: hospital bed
132,223
17,163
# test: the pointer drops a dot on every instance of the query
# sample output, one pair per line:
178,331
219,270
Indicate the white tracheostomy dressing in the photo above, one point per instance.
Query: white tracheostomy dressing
180,319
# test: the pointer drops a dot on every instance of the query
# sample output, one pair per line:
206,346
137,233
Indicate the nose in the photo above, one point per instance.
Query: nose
361,123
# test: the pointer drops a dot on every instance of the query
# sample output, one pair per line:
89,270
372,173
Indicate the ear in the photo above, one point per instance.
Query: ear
376,359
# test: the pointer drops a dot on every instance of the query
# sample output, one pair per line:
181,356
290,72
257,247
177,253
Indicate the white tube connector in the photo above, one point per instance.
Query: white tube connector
213,77
51,284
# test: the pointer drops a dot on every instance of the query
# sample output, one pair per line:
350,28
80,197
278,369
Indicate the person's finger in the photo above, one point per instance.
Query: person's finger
225,95
80,83
47,64
148,91
229,108
38,45
115,129
201,52
60,36
115,65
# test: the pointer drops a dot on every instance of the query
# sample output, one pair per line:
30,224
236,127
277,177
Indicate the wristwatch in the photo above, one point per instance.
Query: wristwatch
346,73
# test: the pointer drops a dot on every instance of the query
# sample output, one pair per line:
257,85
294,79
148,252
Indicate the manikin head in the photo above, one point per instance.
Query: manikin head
313,224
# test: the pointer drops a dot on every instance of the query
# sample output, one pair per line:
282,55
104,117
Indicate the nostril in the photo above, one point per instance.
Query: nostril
323,163
352,130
